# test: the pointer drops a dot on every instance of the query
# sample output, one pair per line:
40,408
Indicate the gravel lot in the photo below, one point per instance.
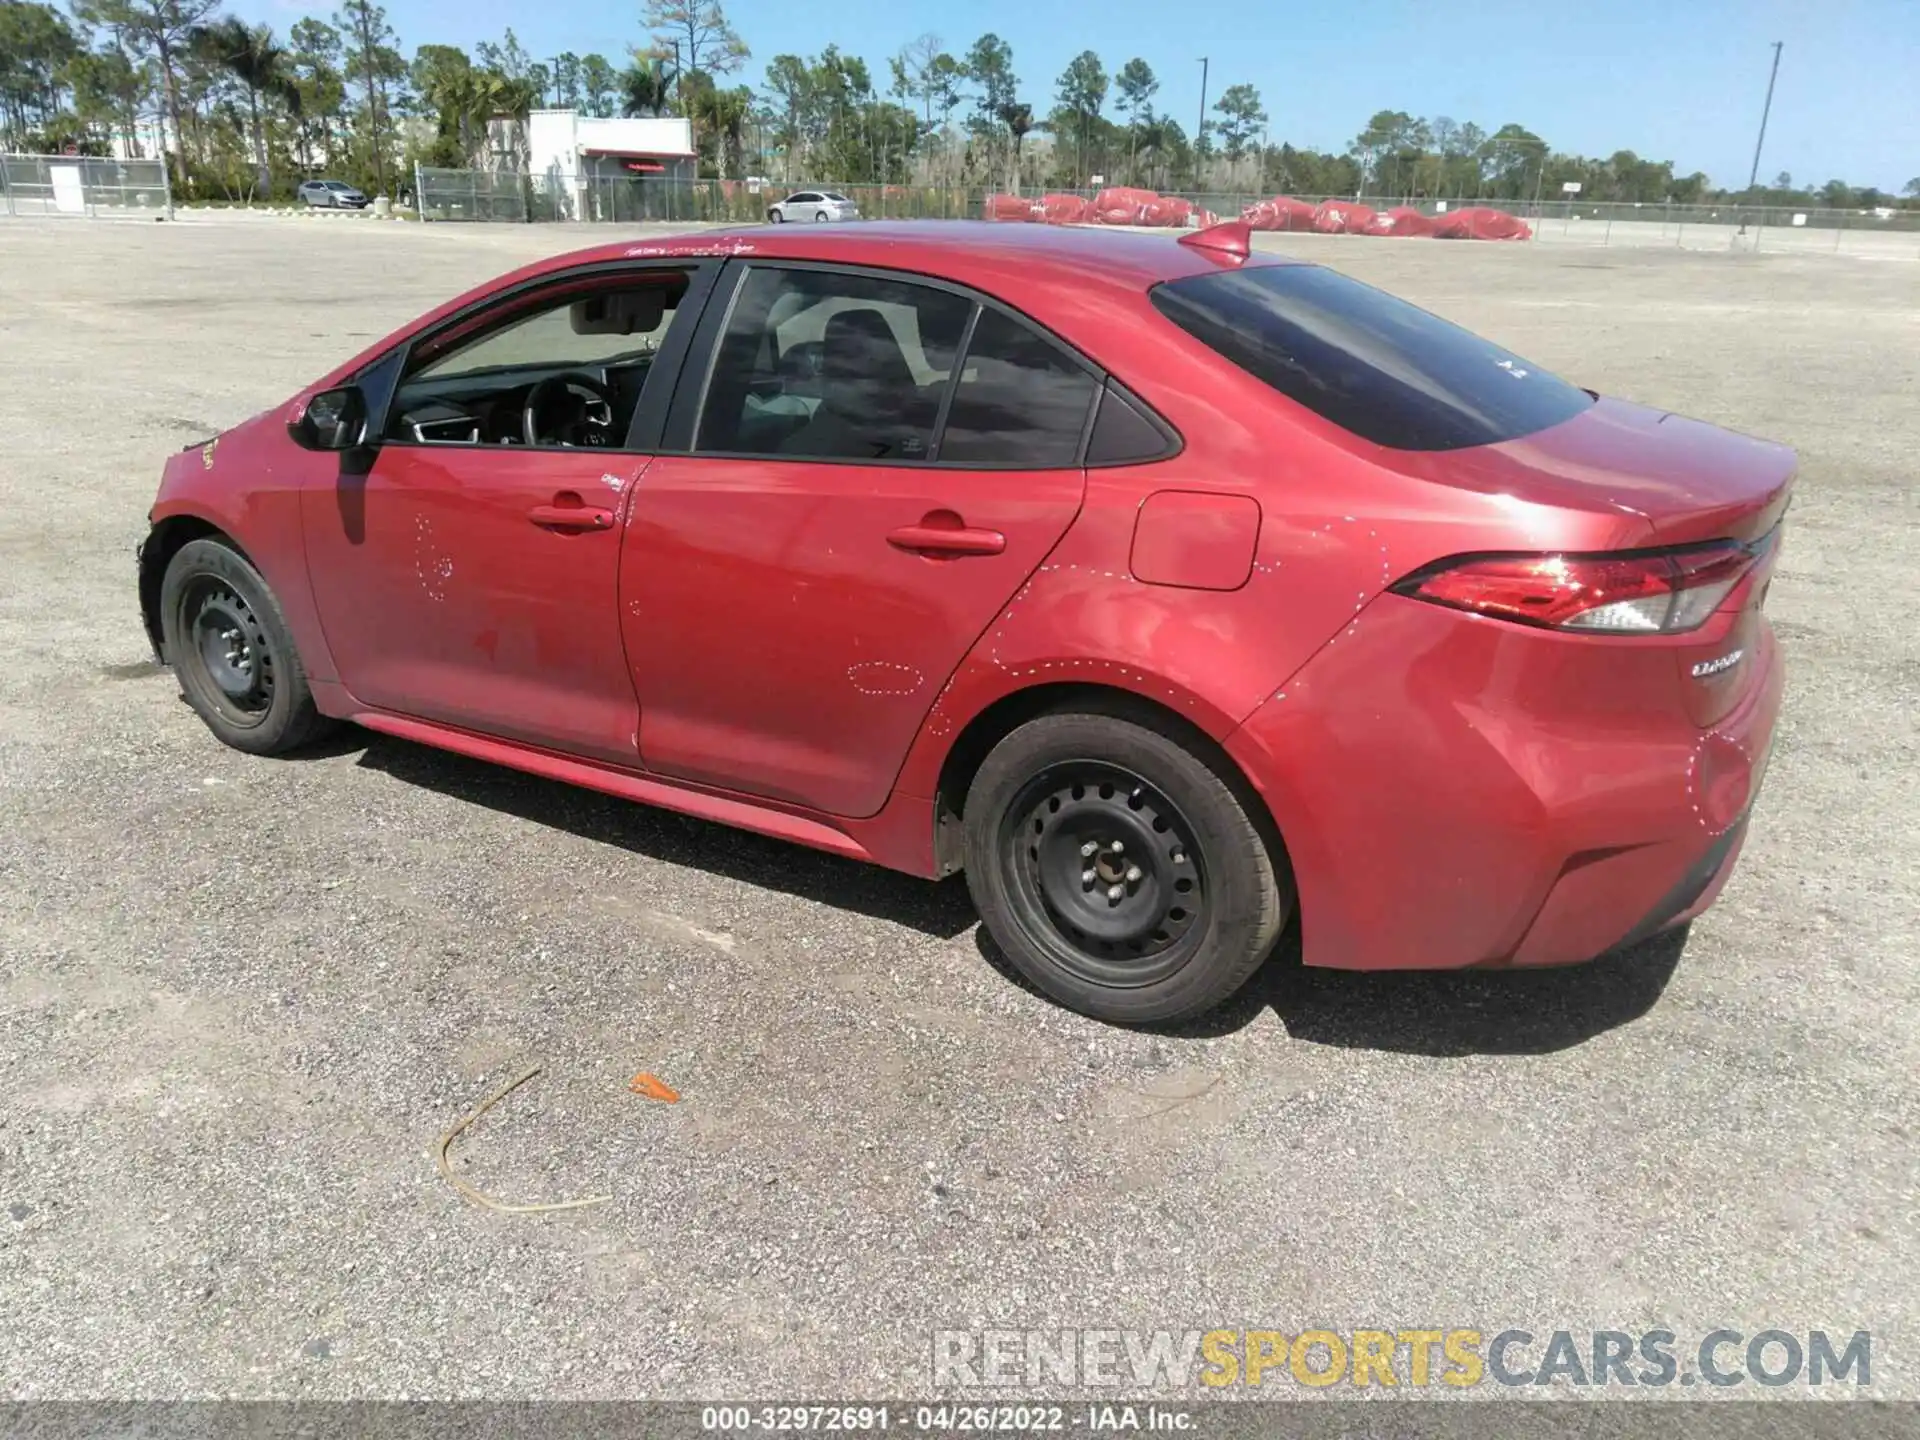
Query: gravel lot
241,999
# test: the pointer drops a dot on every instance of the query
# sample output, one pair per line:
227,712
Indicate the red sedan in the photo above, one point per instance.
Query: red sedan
1166,589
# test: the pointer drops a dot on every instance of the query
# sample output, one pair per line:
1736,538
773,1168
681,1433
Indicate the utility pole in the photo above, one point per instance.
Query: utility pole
1200,131
1754,178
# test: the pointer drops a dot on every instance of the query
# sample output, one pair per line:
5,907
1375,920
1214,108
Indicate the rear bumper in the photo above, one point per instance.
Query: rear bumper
1457,792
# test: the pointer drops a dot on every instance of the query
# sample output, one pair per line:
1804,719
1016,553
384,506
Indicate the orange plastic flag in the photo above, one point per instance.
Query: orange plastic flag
654,1088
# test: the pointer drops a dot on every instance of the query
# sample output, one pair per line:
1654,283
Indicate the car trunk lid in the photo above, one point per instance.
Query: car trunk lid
1690,481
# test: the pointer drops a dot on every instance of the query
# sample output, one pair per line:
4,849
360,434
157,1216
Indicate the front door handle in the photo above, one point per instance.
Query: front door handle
570,517
943,533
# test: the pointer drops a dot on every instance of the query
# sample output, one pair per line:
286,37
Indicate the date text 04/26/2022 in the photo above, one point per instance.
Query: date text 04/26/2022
946,1419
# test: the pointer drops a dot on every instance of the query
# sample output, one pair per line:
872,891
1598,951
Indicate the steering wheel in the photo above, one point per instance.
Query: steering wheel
587,418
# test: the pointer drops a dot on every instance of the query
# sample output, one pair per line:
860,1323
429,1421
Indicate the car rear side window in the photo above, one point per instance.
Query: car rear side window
1122,433
828,365
1376,366
1021,400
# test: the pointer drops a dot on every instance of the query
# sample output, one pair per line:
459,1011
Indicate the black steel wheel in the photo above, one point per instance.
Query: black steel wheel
1107,867
232,651
228,657
1115,864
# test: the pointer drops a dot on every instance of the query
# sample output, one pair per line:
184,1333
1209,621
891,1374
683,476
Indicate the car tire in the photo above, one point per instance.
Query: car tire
232,652
774,217
1176,919
820,217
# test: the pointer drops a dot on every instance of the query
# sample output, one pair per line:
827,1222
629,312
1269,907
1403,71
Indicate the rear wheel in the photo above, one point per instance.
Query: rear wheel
232,652
820,217
1118,871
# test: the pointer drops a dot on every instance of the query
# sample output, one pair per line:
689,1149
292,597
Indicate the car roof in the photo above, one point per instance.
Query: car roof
1082,281
1003,259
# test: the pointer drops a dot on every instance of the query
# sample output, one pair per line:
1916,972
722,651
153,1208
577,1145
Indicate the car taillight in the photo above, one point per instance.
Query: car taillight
1632,592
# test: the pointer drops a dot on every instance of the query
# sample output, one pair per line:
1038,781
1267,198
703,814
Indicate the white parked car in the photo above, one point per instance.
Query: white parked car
332,194
818,206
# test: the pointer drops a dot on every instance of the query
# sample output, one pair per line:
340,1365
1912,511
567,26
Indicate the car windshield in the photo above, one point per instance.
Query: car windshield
338,185
1376,366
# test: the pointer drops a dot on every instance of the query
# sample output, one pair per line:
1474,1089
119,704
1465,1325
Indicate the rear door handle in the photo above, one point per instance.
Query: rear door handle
570,517
927,539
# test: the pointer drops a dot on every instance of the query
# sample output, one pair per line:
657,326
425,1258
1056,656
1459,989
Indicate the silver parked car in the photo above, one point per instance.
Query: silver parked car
334,194
818,206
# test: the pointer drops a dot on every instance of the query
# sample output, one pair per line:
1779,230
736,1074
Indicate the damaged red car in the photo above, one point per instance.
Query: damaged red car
1171,591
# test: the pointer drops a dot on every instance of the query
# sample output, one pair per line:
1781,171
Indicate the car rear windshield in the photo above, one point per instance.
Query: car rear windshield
1385,370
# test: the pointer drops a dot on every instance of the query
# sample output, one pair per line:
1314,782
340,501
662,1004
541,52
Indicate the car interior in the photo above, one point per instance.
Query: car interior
831,373
552,372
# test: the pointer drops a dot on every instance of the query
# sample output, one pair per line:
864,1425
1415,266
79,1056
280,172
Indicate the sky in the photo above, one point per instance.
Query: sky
1680,80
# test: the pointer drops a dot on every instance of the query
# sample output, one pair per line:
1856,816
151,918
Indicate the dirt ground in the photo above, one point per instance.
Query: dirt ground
241,999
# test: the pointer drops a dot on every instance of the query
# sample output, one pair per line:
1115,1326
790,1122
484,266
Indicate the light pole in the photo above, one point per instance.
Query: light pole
1200,131
1765,110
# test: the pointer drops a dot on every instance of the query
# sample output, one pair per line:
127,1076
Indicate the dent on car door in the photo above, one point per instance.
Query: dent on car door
467,577
876,468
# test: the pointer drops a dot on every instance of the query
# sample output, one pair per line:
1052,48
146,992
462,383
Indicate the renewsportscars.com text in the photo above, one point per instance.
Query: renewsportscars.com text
1145,1360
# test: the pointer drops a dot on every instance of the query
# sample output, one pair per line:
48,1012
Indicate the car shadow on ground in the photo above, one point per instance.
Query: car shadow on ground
942,910
1440,1013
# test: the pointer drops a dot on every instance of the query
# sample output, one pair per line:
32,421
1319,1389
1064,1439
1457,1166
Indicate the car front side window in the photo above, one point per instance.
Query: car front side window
564,366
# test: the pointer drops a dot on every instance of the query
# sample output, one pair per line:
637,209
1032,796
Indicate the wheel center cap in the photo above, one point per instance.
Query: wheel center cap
1110,868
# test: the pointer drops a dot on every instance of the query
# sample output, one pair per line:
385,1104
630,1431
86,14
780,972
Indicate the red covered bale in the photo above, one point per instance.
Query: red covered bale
1481,223
1121,205
1283,212
1064,209
1008,207
1342,217
1401,220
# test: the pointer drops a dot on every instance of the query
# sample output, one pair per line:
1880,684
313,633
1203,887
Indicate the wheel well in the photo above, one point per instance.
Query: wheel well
163,542
1007,714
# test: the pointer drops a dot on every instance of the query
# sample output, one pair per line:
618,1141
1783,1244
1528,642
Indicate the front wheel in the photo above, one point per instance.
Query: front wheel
1118,871
774,217
232,652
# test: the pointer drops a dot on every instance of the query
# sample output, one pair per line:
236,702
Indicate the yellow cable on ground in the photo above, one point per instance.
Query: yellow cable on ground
480,1196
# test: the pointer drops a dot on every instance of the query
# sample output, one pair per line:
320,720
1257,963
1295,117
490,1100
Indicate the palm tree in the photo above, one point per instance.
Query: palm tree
1018,119
723,114
646,87
250,54
1155,143
501,98
456,94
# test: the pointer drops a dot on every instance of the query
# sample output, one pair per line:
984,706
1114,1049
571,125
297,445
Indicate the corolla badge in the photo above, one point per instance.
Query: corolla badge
1713,667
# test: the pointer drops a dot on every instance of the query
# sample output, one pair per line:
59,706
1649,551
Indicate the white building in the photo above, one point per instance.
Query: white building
584,162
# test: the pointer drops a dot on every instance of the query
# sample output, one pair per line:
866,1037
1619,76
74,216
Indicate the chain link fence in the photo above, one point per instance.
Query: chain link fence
83,185
469,195
481,195
1890,232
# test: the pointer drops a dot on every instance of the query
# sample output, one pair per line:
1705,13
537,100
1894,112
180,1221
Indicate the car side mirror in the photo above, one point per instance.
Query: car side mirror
332,420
